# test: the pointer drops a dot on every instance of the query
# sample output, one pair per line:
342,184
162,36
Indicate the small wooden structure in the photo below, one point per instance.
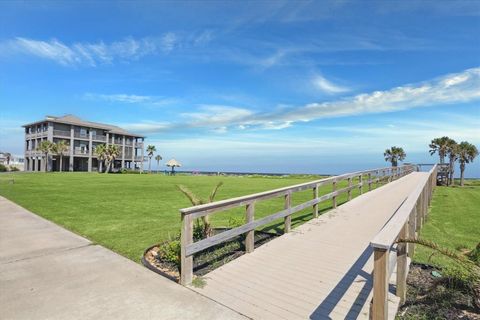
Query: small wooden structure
172,163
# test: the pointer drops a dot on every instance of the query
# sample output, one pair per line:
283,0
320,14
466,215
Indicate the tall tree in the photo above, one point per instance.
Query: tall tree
394,154
440,146
111,153
101,152
60,148
158,158
452,152
46,147
150,150
466,153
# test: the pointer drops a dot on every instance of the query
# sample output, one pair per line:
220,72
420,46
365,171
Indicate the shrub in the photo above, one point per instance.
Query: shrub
12,168
129,171
169,251
3,168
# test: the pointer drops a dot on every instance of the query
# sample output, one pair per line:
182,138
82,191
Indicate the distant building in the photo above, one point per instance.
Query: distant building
82,137
10,161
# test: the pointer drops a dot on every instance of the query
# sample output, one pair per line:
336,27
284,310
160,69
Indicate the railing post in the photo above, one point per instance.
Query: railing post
360,182
315,206
369,181
349,192
402,267
424,203
250,237
419,214
411,232
186,263
334,198
288,219
380,284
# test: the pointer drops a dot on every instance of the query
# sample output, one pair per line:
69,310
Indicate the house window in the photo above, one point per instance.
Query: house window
83,132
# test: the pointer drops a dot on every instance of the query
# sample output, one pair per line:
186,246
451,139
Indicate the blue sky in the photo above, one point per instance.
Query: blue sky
304,86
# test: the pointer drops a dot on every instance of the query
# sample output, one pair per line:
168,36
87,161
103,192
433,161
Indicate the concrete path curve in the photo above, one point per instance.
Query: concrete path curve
47,272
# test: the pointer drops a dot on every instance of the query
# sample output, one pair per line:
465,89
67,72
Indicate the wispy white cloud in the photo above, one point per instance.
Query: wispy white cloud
453,88
215,115
147,126
324,85
87,53
449,89
132,99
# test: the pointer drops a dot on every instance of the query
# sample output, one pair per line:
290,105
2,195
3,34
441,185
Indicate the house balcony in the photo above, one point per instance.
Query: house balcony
61,133
34,135
80,152
99,138
80,135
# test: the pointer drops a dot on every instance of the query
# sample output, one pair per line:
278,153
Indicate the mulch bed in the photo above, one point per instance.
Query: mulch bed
430,297
207,260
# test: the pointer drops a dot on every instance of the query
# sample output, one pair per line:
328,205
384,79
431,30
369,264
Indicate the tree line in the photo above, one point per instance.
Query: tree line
106,154
447,149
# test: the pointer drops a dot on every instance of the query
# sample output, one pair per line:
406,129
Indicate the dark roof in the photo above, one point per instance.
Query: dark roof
71,119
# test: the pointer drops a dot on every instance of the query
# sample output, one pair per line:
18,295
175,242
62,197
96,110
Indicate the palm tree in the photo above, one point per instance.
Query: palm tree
150,150
466,153
452,152
440,145
46,147
112,151
101,152
394,154
60,148
158,158
196,201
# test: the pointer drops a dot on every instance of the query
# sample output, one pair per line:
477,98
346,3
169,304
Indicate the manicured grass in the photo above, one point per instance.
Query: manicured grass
128,213
453,222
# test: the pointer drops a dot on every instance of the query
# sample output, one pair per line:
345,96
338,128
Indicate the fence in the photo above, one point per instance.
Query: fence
189,248
407,220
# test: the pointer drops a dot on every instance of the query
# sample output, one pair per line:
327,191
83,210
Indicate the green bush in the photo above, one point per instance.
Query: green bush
170,252
474,255
3,168
459,277
129,171
12,168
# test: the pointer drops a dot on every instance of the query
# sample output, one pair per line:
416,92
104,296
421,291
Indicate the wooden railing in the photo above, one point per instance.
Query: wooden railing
364,179
61,133
407,220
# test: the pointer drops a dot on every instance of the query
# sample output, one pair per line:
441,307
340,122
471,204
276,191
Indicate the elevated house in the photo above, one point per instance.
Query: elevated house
82,137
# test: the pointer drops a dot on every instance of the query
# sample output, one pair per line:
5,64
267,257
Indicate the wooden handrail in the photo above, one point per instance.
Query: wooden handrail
243,200
189,248
406,221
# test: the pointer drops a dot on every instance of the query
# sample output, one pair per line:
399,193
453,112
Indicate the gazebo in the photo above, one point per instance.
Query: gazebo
172,163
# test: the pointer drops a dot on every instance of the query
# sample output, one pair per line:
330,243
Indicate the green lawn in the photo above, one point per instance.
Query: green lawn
127,213
454,220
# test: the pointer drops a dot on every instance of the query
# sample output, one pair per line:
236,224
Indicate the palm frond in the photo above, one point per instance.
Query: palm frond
214,192
190,195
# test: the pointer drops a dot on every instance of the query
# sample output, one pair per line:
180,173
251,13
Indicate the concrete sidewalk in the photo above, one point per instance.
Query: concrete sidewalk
47,272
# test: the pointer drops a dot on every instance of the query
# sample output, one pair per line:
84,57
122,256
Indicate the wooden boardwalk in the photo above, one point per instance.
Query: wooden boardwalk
320,270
